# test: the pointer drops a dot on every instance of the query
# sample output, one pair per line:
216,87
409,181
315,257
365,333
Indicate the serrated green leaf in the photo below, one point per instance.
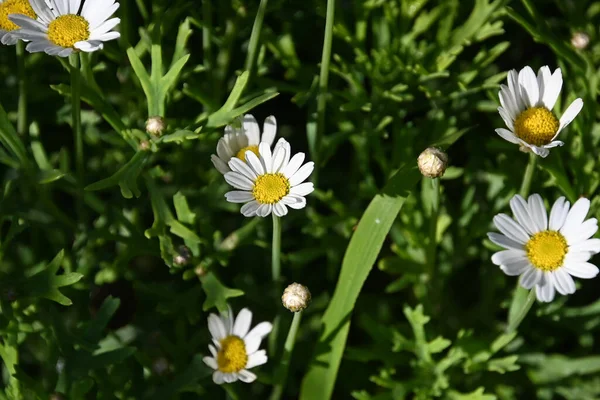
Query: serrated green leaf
217,293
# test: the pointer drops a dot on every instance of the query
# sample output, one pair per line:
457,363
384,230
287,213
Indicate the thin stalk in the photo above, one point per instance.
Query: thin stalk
521,316
22,110
276,277
78,134
528,176
207,42
315,143
255,38
284,364
433,222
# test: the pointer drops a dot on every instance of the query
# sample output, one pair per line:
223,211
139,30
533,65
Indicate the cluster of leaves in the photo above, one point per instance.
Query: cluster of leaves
117,314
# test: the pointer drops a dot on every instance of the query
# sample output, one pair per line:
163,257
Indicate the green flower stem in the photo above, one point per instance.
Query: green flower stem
526,307
526,184
76,116
276,276
207,41
520,292
284,364
22,110
255,38
433,222
315,144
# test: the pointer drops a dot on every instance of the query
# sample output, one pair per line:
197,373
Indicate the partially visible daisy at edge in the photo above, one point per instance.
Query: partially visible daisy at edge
546,251
7,27
235,349
238,140
271,182
526,108
61,29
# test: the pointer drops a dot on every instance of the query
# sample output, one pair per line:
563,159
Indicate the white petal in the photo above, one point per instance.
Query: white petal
249,209
294,201
255,163
256,335
242,323
213,350
302,174
510,228
241,167
508,103
506,257
303,189
246,376
278,158
257,358
545,290
238,180
251,130
219,164
543,80
507,135
520,209
96,39
563,282
288,152
40,45
554,143
583,270
558,214
266,156
531,278
279,209
576,216
218,377
230,378
552,89
239,196
224,151
538,212
583,232
529,86
211,362
506,118
27,23
592,246
540,151
293,165
264,210
570,113
269,130
516,268
97,18
216,327
503,241
42,11
513,86
74,6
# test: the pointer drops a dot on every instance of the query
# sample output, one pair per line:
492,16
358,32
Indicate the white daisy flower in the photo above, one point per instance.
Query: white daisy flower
62,28
544,251
7,27
270,182
237,141
235,348
526,109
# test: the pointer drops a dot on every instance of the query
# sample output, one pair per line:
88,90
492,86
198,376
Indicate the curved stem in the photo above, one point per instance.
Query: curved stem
521,316
276,277
22,110
284,365
527,177
254,38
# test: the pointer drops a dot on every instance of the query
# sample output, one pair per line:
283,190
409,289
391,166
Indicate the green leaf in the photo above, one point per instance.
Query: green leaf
126,177
360,256
11,140
140,71
49,175
170,79
95,328
553,368
217,293
219,119
179,137
184,214
45,283
478,394
234,96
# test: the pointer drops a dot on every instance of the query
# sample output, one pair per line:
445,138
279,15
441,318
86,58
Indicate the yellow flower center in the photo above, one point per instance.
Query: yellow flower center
69,29
14,7
232,357
270,188
242,153
546,250
536,125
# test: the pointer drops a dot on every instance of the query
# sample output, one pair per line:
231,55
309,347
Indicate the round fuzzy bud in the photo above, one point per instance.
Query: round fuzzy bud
580,40
183,256
296,297
432,162
155,126
144,145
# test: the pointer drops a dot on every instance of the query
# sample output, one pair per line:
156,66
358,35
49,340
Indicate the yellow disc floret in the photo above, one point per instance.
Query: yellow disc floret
242,153
14,7
536,125
546,250
232,356
69,29
270,188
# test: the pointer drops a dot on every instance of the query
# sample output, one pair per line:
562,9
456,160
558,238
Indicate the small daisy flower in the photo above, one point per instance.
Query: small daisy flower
237,141
546,251
235,348
62,28
7,27
526,108
270,182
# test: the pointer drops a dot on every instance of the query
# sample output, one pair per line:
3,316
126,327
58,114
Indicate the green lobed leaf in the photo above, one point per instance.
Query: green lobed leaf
217,293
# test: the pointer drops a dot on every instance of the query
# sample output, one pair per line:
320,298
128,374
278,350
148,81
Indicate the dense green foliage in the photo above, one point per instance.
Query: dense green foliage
95,301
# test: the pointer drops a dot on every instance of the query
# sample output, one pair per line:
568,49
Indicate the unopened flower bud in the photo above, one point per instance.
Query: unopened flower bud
183,257
155,126
296,297
580,40
432,162
144,145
